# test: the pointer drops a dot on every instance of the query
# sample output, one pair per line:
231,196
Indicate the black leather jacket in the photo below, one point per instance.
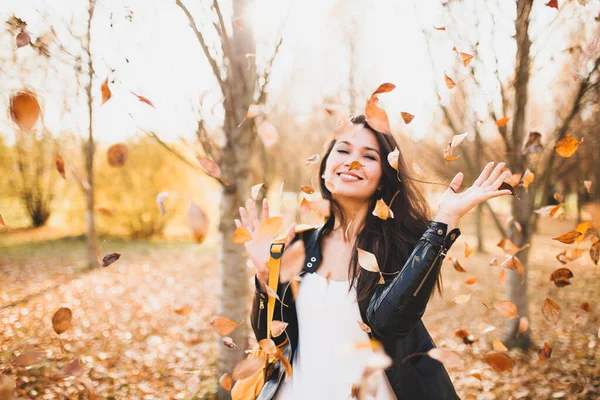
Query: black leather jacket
393,312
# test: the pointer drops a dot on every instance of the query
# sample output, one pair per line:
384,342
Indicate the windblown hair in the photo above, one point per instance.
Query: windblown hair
393,240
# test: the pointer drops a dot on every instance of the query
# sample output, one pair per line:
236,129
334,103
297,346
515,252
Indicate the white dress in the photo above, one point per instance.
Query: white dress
326,364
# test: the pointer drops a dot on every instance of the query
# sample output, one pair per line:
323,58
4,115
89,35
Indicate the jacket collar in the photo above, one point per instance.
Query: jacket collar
313,249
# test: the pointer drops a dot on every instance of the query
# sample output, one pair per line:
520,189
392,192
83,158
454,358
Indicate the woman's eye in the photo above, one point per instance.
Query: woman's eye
342,151
370,157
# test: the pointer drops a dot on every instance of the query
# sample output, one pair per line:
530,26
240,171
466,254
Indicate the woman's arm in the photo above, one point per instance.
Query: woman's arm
397,306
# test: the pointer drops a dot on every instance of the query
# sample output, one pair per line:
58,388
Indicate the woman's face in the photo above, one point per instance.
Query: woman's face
362,183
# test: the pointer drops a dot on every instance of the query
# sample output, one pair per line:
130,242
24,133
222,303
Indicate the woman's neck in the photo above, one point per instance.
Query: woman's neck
354,217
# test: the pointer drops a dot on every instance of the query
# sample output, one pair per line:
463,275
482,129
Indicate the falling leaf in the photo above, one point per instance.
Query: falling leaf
185,310
523,325
449,82
228,342
160,200
256,189
377,117
106,94
143,99
392,158
457,266
502,122
60,165
561,277
498,345
569,237
466,338
527,179
533,144
506,186
241,235
61,320
462,298
74,368
448,154
225,381
117,154
585,306
321,207
502,276
2,223
545,353
210,167
552,4
465,58
24,109
493,262
367,260
110,258
567,146
449,358
509,247
513,263
223,326
268,133
198,222
406,117
588,186
507,308
385,88
458,139
253,111
382,211
500,362
314,159
558,197
27,358
441,28
22,39
277,328
471,281
364,326
551,311
308,189
554,211
468,250
248,367
595,252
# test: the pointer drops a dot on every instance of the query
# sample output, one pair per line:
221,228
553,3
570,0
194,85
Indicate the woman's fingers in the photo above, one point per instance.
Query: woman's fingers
494,175
484,174
245,218
238,223
500,179
254,223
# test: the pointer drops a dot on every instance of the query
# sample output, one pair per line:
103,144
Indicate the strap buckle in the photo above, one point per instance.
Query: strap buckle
277,250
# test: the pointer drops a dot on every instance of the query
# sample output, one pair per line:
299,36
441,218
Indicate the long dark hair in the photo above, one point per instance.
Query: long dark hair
392,240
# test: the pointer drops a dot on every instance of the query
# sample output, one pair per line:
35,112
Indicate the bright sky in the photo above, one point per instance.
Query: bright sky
167,65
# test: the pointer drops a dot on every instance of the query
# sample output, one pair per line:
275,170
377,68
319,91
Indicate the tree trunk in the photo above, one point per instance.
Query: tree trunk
92,261
521,209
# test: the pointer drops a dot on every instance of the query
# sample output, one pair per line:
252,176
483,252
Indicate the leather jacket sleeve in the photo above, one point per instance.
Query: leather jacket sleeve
397,306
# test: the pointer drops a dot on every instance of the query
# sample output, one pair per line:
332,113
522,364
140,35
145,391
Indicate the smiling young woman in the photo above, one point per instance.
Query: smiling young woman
339,304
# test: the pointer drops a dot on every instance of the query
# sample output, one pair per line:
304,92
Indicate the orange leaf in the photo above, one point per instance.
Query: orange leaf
106,94
185,310
466,338
551,311
367,260
569,237
308,189
355,165
117,155
277,328
502,122
507,308
567,146
382,211
527,178
248,367
22,39
241,235
270,227
595,252
448,154
500,362
60,165
468,250
545,353
449,82
585,306
406,117
465,58
24,109
223,326
552,4
143,99
376,116
441,28
385,88
225,381
498,345
210,167
471,281
61,320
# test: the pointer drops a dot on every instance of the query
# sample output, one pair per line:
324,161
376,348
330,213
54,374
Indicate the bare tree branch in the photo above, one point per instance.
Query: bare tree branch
267,72
209,57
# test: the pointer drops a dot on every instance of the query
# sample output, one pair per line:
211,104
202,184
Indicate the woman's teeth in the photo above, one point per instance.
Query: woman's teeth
349,177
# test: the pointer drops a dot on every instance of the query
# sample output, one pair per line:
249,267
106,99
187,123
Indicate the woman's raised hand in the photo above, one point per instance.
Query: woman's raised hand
455,205
259,249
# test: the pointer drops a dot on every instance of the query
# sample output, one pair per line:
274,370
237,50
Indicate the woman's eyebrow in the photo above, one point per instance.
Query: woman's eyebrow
364,147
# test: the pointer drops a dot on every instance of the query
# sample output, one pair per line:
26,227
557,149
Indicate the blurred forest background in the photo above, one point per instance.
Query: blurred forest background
134,129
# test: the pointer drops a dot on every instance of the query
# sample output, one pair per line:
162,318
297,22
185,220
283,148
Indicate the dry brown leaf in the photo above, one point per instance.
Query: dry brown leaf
406,117
384,88
507,308
210,167
567,146
185,310
198,222
116,155
509,247
441,28
109,259
376,116
277,328
585,306
457,266
561,277
569,237
248,367
551,311
22,39
223,326
449,82
500,362
225,381
527,179
268,345
106,94
228,342
393,158
143,99
24,109
61,320
533,144
364,326
545,353
60,165
512,262
552,4
382,211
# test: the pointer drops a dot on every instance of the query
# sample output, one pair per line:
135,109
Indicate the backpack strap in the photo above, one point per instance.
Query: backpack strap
273,264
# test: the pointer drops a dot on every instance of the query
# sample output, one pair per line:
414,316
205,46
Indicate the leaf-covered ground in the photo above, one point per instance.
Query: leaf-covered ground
134,345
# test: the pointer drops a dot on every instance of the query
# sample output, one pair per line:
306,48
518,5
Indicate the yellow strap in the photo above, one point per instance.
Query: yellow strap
273,264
